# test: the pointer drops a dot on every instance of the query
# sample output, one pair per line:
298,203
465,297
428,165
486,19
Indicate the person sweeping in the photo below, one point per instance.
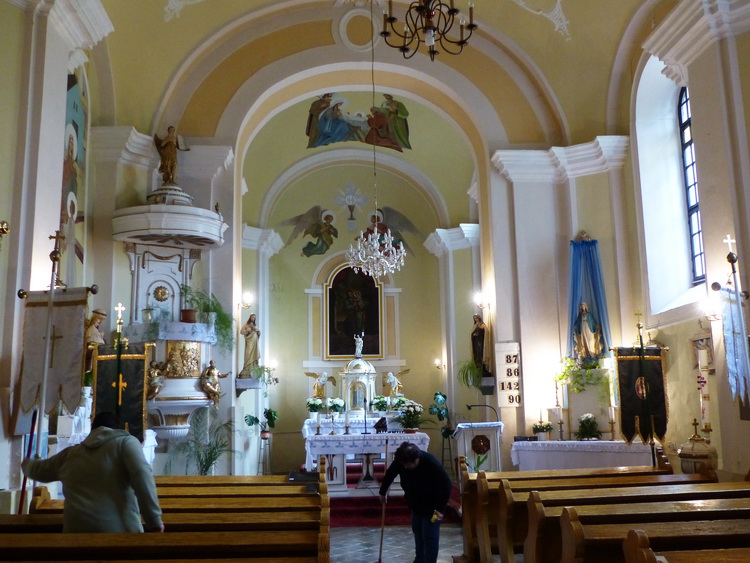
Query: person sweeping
427,488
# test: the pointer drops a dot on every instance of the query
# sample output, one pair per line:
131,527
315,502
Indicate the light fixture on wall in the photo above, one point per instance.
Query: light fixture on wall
428,22
375,254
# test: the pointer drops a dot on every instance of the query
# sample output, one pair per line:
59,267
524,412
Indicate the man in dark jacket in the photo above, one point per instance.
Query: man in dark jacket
427,488
106,481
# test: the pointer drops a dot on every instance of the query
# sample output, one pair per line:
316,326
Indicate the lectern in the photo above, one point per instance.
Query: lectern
479,443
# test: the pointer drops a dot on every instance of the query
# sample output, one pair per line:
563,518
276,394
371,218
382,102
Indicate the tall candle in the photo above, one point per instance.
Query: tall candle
318,417
611,414
702,359
346,418
558,413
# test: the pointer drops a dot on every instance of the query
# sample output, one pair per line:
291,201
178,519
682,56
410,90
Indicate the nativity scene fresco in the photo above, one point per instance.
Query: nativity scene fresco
330,121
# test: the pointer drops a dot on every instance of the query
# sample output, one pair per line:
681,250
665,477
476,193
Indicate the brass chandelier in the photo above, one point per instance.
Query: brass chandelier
428,22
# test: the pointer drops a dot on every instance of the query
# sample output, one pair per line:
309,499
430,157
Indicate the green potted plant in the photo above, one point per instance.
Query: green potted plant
588,428
440,410
209,310
270,417
470,373
542,429
580,375
380,403
202,448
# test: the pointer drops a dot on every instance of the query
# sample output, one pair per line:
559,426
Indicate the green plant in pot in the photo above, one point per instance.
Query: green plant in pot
470,373
440,409
208,439
209,307
270,417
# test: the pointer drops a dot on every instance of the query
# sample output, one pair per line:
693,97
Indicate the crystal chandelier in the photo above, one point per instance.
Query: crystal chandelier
428,22
375,254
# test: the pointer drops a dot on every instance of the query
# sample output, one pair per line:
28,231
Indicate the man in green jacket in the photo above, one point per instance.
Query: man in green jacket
106,481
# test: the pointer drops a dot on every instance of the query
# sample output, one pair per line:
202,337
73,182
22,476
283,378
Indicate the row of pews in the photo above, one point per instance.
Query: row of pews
206,518
618,514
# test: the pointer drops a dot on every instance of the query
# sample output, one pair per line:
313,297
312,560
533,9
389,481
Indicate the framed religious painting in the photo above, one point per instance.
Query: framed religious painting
353,306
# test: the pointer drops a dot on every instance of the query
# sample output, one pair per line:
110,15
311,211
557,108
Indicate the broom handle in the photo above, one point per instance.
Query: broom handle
382,515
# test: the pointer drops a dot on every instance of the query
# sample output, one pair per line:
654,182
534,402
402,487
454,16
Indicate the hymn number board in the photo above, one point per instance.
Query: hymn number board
508,360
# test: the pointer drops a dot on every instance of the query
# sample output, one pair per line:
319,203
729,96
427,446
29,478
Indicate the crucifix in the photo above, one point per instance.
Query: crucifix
53,337
729,241
120,384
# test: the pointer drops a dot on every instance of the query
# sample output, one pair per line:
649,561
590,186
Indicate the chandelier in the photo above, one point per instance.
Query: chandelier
375,253
428,22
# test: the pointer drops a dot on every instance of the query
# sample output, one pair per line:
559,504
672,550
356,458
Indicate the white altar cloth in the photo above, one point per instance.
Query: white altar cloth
355,444
569,454
357,425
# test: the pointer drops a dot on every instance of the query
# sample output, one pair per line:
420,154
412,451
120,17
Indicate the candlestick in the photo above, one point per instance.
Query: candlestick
612,429
611,414
560,423
317,419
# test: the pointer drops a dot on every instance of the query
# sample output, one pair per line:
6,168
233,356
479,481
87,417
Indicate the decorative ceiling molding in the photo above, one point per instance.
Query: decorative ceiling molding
691,28
603,154
123,145
174,7
443,241
556,16
81,23
267,241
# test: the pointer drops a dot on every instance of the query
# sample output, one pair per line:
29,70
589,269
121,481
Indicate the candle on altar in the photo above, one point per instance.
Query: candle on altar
611,414
318,417
346,417
541,415
559,413
702,359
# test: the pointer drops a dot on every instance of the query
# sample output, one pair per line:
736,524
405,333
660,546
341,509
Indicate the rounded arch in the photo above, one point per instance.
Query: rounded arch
411,176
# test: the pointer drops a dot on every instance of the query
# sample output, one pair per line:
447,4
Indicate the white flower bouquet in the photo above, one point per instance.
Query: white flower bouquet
380,403
314,404
336,405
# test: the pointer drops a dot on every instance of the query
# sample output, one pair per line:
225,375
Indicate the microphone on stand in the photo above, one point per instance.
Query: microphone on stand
497,416
365,417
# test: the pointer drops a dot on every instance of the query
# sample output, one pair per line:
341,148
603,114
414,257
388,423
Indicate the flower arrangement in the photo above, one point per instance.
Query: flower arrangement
410,414
336,405
314,404
380,403
270,417
542,427
588,427
398,402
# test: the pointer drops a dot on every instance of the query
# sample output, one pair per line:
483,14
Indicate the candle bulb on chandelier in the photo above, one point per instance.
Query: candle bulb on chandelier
390,8
385,20
471,13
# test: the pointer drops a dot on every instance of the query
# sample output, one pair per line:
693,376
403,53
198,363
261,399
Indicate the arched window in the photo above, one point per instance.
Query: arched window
691,187
674,265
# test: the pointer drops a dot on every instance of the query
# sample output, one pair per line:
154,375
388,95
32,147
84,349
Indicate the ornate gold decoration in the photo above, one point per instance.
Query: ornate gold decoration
161,293
183,359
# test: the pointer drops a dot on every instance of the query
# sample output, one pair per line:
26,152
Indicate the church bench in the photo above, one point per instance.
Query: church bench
638,550
264,545
230,480
507,499
544,541
238,491
594,543
184,521
41,503
469,500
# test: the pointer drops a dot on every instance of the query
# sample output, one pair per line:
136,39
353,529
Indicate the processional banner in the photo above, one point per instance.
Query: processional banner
643,397
119,384
63,319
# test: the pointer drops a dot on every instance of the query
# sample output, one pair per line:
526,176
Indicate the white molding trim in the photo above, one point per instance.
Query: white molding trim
266,241
123,145
81,23
603,154
443,241
691,28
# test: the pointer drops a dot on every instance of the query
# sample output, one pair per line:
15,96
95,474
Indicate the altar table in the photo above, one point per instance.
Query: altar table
338,447
570,454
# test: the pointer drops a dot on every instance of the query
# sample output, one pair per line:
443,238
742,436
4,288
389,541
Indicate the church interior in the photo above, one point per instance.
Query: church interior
242,153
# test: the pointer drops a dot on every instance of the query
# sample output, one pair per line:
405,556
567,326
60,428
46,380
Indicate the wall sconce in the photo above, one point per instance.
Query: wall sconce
481,301
4,229
247,300
438,363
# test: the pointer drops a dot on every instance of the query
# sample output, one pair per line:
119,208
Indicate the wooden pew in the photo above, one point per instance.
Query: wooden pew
544,540
469,497
509,499
230,480
637,549
594,543
276,544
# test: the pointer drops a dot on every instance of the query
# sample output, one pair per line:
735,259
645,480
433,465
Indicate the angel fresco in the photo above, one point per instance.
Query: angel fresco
388,218
318,224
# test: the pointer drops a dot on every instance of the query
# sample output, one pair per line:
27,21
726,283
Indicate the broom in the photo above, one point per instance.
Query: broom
382,516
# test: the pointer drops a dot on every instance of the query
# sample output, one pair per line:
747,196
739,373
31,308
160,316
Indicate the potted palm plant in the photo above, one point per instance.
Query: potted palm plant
207,440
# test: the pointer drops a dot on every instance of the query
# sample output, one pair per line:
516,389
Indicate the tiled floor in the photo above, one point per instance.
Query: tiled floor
361,545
